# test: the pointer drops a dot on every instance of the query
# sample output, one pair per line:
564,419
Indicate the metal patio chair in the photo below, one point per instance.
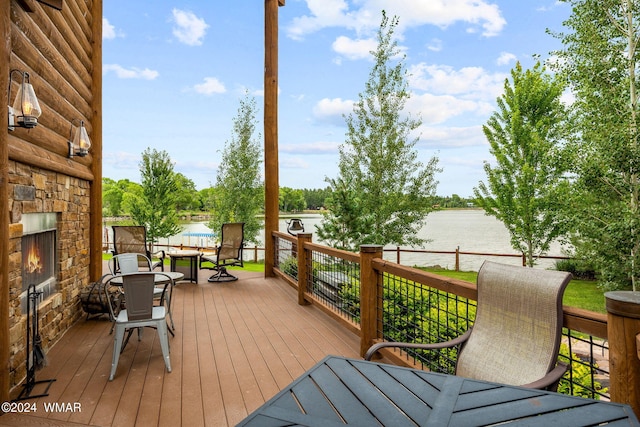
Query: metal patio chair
515,338
133,239
228,253
139,312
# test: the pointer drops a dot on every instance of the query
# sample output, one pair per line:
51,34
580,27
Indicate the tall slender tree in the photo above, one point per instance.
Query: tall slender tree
155,208
239,195
379,170
600,60
525,135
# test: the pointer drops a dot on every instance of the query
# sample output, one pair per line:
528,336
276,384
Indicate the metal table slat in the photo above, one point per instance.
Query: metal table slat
313,401
384,410
400,392
347,405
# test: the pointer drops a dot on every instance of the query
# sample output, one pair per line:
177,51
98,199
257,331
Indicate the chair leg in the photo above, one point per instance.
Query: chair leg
117,345
164,343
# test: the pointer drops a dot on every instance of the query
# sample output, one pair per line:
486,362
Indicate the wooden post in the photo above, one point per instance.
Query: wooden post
623,328
303,262
397,254
271,181
458,258
369,299
95,199
5,65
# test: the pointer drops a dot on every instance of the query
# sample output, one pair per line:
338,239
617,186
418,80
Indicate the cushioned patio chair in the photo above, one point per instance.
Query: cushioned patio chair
133,239
228,253
515,338
139,312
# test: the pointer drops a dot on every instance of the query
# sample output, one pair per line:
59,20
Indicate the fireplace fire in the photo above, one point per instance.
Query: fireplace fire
38,256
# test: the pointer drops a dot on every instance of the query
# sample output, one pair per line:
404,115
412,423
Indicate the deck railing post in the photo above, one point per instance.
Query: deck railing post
369,297
303,262
623,329
458,258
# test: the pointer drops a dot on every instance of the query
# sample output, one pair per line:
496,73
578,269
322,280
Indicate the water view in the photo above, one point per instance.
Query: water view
470,230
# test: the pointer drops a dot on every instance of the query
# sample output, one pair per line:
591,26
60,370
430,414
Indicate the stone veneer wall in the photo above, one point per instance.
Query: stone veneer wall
34,190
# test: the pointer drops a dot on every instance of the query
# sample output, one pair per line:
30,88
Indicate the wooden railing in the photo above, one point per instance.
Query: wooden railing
342,284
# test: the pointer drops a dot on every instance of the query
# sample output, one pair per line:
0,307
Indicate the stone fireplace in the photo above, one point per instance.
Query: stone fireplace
48,246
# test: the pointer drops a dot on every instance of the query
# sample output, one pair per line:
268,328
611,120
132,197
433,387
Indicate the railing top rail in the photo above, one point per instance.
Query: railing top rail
338,253
446,284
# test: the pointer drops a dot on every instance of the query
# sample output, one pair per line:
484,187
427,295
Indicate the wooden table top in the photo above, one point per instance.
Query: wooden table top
339,391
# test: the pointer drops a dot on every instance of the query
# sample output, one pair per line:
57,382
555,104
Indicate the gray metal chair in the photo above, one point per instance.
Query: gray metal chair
139,312
515,338
229,253
134,262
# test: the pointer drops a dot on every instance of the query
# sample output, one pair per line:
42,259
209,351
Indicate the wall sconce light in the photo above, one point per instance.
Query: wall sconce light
295,226
79,143
26,109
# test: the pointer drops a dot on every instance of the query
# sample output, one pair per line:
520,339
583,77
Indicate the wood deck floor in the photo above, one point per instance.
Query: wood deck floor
236,345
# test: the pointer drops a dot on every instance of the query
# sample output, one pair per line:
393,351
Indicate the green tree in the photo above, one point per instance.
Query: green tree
114,195
291,200
155,207
378,162
187,197
525,134
600,61
239,194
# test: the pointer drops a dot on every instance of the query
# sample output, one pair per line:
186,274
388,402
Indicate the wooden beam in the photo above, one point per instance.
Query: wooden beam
5,62
95,218
271,181
280,2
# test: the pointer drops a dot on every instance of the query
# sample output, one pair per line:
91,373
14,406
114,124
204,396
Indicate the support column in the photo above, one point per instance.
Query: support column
303,262
369,299
623,331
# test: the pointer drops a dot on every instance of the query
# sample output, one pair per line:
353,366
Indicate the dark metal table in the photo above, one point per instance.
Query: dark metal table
340,391
191,273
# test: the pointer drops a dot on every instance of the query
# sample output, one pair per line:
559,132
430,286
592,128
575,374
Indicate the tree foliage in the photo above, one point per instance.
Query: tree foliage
239,194
155,206
381,195
525,134
291,200
600,61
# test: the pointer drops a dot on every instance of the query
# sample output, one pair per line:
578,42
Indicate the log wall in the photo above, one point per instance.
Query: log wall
59,43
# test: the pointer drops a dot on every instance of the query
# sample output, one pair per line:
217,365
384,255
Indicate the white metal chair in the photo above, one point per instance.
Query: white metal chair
139,312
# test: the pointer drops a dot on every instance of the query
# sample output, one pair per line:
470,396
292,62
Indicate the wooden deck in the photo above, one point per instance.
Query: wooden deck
236,345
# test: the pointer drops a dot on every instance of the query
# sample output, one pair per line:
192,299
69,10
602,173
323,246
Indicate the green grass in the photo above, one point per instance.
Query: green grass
583,294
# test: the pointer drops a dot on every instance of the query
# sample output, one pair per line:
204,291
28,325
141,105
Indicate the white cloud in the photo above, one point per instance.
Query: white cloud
478,14
108,30
354,49
468,82
131,73
439,108
330,108
506,58
435,45
452,137
188,28
210,86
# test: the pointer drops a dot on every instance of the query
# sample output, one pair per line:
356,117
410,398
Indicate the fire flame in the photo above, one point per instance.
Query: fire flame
34,264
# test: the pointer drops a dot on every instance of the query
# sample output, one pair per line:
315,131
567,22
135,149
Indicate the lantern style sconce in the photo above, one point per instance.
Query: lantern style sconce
295,226
26,109
79,143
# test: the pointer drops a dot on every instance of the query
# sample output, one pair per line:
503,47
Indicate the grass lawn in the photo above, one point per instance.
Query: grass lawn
583,294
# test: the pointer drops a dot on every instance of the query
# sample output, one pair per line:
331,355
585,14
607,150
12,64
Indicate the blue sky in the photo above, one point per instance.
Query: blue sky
175,71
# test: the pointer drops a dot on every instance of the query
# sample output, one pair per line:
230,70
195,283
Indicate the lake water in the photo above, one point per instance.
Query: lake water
470,230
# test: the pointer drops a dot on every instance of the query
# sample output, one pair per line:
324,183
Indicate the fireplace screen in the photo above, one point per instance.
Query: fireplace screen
39,263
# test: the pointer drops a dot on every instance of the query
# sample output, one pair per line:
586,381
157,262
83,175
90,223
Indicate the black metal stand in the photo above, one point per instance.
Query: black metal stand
34,350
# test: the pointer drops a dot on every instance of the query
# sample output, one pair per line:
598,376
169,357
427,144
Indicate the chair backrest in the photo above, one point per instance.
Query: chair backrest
138,291
231,241
518,326
125,263
130,239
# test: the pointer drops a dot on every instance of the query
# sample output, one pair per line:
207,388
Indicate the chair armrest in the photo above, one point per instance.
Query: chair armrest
446,344
550,381
159,254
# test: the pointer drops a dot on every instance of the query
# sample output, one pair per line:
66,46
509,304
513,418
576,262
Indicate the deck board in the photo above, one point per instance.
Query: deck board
236,345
